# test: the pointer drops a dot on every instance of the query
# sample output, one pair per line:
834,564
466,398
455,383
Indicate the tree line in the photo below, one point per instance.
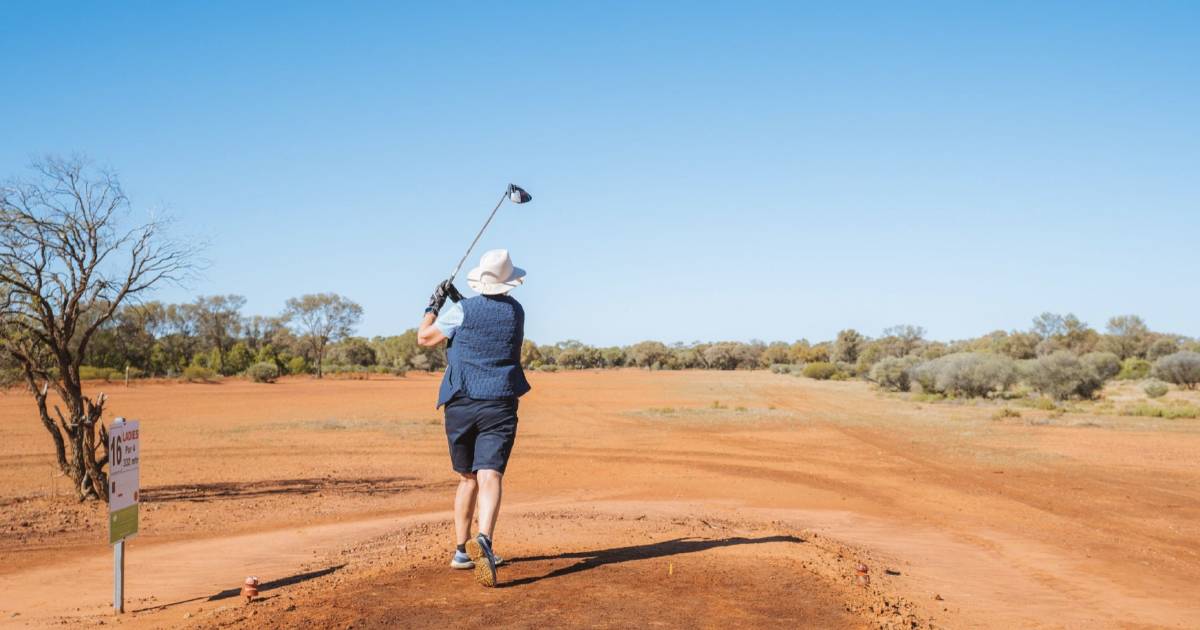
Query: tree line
314,335
210,336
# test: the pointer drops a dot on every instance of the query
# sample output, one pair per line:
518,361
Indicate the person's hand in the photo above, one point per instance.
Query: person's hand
452,292
438,298
443,291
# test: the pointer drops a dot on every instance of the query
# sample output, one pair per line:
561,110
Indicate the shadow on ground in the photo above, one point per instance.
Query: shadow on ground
233,490
262,588
616,555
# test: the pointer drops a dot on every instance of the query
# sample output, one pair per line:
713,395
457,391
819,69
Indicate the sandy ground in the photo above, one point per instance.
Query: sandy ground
650,499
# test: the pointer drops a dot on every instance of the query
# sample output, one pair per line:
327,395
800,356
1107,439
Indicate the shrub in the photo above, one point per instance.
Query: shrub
238,359
1162,347
394,371
354,351
782,368
870,355
548,368
775,354
1041,402
1006,412
820,370
892,373
1105,365
849,344
580,358
1156,389
1181,368
347,372
1134,369
966,374
264,372
90,373
1172,412
193,373
1062,375
296,365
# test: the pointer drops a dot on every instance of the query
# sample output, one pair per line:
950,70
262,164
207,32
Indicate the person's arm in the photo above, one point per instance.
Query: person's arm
427,333
436,328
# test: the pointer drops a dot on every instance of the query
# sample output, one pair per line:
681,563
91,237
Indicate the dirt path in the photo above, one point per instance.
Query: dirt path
671,499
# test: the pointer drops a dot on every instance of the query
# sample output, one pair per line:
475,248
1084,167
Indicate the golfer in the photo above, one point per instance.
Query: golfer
479,392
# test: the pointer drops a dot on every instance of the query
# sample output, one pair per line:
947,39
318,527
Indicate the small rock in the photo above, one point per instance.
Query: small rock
187,615
938,597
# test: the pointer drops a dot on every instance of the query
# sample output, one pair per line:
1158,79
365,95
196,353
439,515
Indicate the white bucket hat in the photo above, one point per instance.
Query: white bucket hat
495,274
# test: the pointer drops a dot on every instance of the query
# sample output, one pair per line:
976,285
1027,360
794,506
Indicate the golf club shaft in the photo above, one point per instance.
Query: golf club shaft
485,224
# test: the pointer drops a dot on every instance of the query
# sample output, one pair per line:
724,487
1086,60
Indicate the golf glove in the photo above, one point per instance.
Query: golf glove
443,291
452,292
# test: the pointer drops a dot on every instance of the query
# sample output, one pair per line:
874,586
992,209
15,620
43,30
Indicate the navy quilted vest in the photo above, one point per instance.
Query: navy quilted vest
484,355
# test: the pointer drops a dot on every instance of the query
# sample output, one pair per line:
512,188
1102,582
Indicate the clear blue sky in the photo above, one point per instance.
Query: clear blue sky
699,171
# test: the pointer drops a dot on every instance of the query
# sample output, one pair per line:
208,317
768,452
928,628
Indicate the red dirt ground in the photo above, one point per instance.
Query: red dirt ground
650,499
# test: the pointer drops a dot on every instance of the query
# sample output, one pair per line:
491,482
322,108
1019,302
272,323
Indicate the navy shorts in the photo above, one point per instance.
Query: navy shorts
480,432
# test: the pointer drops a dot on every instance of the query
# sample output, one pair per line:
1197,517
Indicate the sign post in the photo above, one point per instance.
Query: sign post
123,494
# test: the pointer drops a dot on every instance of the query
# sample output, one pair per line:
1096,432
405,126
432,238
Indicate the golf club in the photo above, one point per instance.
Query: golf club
513,193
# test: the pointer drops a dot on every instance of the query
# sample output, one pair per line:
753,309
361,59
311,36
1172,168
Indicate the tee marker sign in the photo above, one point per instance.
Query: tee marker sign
124,459
123,480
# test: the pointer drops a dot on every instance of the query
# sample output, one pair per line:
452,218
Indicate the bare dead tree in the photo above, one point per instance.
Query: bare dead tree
67,264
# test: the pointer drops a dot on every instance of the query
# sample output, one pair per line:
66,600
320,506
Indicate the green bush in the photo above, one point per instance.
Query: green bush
347,372
90,373
1062,375
357,372
265,372
1134,369
394,371
353,351
820,370
193,373
297,365
1181,368
548,368
971,374
892,373
1162,347
1104,365
238,359
1156,388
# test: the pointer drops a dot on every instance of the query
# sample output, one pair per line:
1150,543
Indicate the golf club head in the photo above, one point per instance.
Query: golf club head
516,194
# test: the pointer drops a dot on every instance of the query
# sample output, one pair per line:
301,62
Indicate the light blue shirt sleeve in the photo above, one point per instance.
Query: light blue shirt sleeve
449,319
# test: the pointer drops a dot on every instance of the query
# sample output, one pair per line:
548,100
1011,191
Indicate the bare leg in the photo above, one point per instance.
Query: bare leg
464,507
490,482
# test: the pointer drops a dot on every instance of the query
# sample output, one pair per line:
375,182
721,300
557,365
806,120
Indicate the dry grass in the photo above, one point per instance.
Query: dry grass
1173,411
